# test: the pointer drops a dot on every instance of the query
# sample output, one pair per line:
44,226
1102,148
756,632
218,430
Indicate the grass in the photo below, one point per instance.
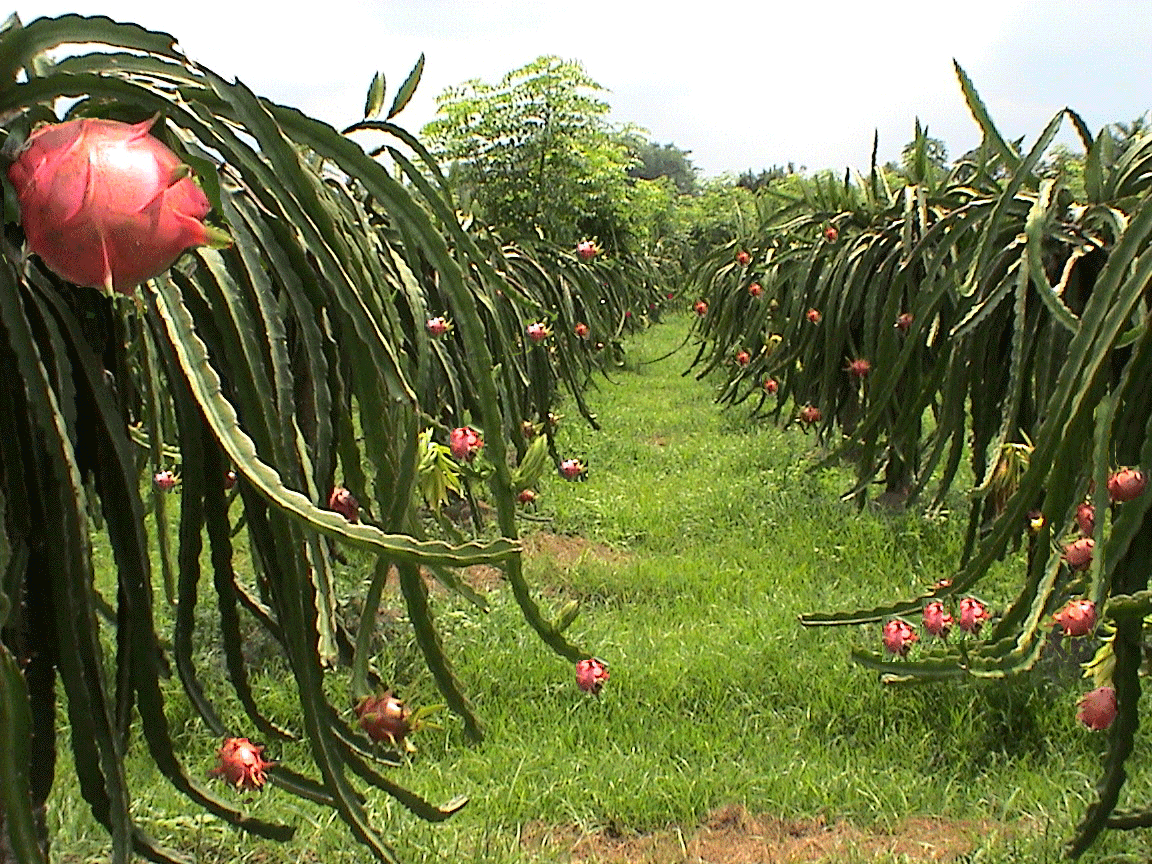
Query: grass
693,545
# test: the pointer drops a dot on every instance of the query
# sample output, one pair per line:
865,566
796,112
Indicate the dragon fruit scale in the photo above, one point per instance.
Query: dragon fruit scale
106,204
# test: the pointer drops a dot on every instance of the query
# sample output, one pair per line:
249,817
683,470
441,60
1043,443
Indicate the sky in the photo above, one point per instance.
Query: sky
742,85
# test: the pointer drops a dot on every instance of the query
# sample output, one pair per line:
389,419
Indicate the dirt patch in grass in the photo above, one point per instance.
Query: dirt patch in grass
731,835
566,550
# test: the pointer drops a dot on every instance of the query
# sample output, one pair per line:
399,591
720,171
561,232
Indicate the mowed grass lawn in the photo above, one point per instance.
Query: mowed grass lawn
693,545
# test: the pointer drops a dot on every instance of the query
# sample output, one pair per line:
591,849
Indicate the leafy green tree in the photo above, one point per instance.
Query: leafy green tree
665,160
535,153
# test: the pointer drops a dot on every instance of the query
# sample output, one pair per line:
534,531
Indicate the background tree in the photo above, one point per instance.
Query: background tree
664,160
534,153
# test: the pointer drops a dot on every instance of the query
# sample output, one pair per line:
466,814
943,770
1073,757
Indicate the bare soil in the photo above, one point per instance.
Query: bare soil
731,835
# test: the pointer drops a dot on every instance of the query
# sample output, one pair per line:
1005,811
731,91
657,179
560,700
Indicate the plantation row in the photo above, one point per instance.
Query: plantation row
339,358
985,312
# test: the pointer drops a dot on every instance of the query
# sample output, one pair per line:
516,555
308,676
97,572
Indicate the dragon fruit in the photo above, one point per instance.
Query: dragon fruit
165,480
1077,618
1127,484
591,673
1078,553
385,718
586,250
700,307
107,205
937,620
973,614
465,443
344,503
573,469
582,330
438,326
538,331
755,289
899,637
1097,708
241,763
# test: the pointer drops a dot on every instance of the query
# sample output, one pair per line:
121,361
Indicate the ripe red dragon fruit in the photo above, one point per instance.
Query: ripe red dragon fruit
573,469
586,250
743,358
859,368
582,330
1086,519
538,331
700,307
810,414
465,443
1097,708
973,614
385,718
527,496
165,480
1078,553
771,385
107,205
1077,618
755,290
591,673
904,321
438,326
229,480
344,502
813,315
937,620
831,234
743,258
241,763
899,637
1126,484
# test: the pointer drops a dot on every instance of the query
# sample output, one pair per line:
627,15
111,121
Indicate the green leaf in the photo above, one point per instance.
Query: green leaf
375,99
404,94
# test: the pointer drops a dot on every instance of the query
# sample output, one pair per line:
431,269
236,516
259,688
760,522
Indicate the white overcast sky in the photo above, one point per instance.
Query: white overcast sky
742,85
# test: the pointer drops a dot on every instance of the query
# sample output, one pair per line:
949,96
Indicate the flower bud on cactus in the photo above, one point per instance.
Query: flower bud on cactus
384,718
973,614
1097,708
344,502
1077,618
241,763
165,480
591,673
937,620
465,443
107,205
1126,484
899,637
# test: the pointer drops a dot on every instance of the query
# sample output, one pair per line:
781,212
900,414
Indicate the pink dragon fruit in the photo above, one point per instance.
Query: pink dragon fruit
438,326
582,330
465,443
973,614
241,763
165,480
1077,618
384,718
1086,518
937,620
591,673
586,250
899,637
538,332
1078,553
1097,708
1127,484
107,205
572,469
344,502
